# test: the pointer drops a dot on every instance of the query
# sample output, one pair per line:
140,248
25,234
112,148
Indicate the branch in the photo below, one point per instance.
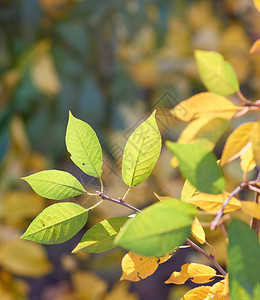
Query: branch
121,201
209,257
215,222
255,223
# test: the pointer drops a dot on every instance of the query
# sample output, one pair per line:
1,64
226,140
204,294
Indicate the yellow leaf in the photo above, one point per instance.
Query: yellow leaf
120,292
24,258
236,143
199,293
213,203
44,75
255,139
188,190
198,273
217,291
136,267
197,231
162,259
88,286
257,4
256,46
247,162
251,208
205,105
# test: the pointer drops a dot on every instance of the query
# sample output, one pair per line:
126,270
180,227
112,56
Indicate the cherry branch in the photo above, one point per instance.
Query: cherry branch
255,223
209,257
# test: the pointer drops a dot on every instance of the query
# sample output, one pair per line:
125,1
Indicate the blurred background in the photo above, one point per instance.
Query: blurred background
111,63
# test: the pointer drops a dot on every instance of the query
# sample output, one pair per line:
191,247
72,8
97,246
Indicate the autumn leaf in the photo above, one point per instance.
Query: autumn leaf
218,291
198,273
255,139
236,143
197,231
256,46
205,105
212,203
121,291
247,161
257,4
251,208
199,293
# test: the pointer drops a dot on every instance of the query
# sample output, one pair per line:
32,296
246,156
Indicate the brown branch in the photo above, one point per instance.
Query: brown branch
217,219
209,257
255,223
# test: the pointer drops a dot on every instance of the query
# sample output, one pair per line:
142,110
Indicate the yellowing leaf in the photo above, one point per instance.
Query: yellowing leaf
251,208
255,139
198,273
205,105
236,143
121,292
162,259
136,267
44,75
213,203
199,293
217,291
197,231
24,258
247,162
256,46
257,4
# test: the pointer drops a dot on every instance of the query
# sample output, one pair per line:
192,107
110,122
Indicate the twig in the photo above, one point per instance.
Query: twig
255,223
209,257
215,222
105,197
243,98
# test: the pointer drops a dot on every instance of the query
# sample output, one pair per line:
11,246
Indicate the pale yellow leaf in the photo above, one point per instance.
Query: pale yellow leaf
247,162
257,4
236,143
24,258
251,208
255,139
198,273
136,267
213,203
121,292
197,231
87,285
199,293
44,75
205,105
188,190
217,291
255,47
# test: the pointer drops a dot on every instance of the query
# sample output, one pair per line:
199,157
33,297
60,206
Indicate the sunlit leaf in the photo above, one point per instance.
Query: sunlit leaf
136,267
217,291
243,256
199,293
247,162
24,259
251,208
198,273
158,229
255,139
257,4
197,231
57,223
188,190
198,165
54,184
256,46
206,104
217,74
236,142
83,145
100,238
141,152
212,203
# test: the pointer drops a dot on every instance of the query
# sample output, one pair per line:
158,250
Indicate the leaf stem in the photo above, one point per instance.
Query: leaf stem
126,193
243,98
209,257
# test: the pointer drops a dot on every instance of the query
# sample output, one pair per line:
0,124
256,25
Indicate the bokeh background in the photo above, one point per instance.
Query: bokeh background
111,63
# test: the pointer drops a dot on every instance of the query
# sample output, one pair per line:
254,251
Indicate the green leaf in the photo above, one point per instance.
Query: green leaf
141,152
57,223
100,238
158,229
243,257
55,184
199,166
83,145
217,74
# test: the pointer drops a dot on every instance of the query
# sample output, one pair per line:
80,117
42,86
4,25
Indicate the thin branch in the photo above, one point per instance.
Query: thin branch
209,257
243,98
105,197
255,223
215,222
126,193
254,188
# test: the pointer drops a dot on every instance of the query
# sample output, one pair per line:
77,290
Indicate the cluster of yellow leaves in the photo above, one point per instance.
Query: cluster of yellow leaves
199,273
